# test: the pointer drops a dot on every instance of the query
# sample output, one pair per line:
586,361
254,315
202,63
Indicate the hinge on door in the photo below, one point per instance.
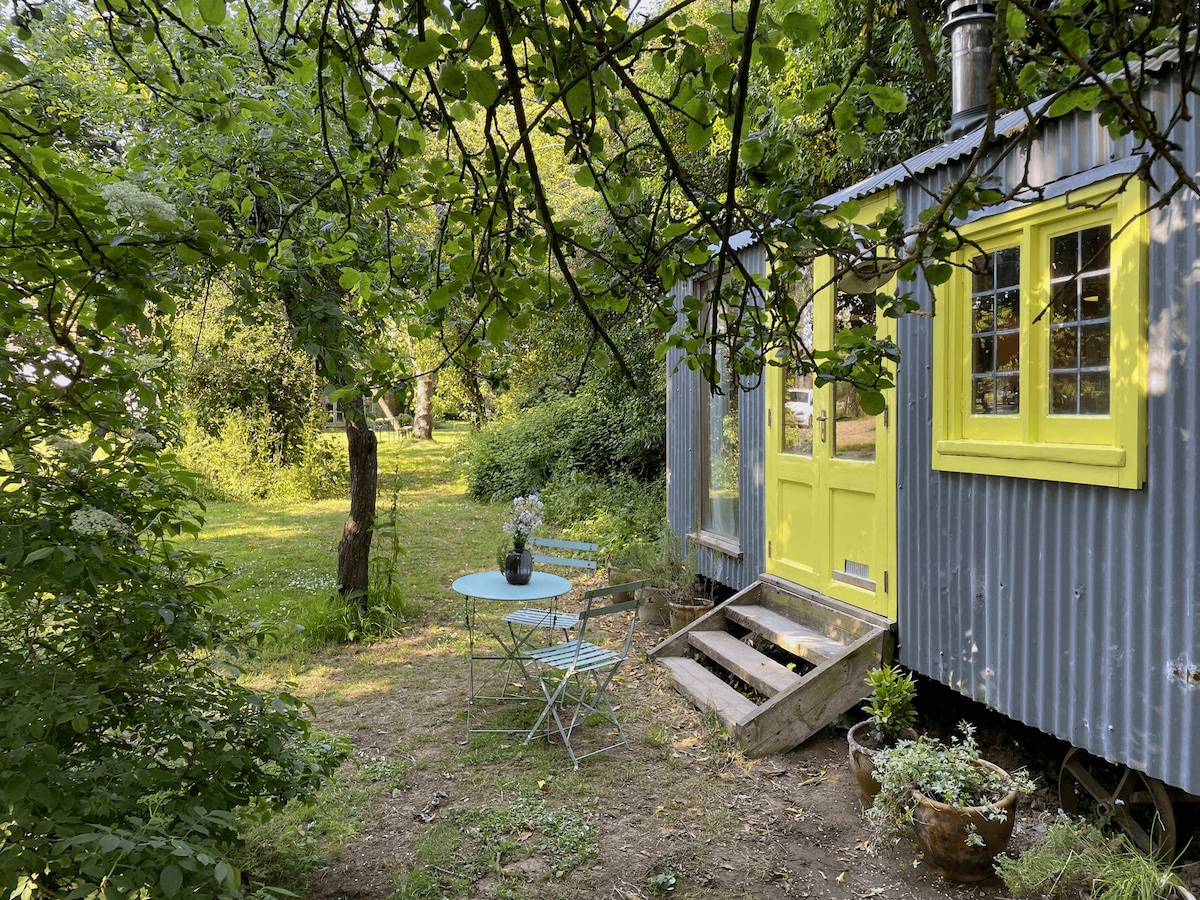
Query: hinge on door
885,581
885,417
768,549
768,418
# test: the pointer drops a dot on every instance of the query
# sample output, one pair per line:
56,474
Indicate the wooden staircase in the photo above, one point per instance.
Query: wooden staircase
830,646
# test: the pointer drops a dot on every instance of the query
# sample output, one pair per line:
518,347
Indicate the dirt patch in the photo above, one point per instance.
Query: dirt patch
681,809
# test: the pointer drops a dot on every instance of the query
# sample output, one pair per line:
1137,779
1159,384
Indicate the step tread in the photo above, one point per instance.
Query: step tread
708,691
763,673
782,631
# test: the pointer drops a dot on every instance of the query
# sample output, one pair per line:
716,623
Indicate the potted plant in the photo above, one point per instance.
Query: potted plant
960,807
891,717
674,594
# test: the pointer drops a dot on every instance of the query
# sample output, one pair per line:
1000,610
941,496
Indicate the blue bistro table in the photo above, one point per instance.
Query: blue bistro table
491,587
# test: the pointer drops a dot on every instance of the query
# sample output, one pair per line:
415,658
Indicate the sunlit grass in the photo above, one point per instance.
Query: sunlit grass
281,556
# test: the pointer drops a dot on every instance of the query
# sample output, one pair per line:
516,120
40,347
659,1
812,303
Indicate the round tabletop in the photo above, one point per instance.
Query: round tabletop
493,586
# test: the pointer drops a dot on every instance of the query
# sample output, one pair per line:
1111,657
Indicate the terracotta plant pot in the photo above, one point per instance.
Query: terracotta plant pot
684,613
942,832
862,757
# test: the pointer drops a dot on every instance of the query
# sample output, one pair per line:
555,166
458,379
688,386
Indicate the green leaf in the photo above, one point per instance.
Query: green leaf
886,99
423,53
212,12
482,87
751,151
816,99
13,66
698,136
584,177
171,880
497,328
938,273
80,724
852,144
801,27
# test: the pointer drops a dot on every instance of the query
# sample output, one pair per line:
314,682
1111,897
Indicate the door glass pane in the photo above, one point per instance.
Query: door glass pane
853,430
798,415
798,396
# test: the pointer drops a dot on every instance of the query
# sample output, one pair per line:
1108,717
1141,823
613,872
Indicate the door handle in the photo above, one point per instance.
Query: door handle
822,418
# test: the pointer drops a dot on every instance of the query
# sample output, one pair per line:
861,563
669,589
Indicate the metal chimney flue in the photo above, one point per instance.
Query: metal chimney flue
969,28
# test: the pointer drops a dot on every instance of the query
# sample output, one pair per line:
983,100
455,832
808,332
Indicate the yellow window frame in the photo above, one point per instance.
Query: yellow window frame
1086,449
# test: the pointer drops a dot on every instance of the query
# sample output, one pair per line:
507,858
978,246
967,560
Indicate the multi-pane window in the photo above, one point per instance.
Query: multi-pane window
719,486
1041,341
1080,322
996,333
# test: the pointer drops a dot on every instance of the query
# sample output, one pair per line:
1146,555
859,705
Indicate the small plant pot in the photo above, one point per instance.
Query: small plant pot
684,613
862,756
942,831
620,576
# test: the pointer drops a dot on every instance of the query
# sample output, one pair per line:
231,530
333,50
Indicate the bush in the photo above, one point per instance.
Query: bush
612,513
128,746
529,449
240,462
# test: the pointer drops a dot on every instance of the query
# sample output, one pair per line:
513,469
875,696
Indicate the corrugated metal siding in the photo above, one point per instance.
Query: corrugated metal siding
683,392
1071,608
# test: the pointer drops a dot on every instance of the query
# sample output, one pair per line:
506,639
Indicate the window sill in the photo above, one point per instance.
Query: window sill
1072,463
728,546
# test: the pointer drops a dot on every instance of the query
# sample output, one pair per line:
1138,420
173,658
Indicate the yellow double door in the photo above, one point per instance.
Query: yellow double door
830,474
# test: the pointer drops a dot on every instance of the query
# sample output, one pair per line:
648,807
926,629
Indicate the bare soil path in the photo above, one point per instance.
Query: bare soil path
682,803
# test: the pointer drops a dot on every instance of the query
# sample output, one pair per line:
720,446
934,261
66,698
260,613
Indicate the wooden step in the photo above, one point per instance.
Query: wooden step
760,672
708,691
783,632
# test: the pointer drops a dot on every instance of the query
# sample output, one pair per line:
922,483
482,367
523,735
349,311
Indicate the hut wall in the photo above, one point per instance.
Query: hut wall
683,463
1069,607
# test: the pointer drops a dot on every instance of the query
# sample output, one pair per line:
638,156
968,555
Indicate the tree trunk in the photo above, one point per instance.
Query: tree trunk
423,419
475,398
385,404
354,549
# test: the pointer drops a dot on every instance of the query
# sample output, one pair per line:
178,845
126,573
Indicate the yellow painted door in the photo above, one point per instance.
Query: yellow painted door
830,474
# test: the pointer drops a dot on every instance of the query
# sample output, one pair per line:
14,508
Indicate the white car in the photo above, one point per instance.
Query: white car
800,405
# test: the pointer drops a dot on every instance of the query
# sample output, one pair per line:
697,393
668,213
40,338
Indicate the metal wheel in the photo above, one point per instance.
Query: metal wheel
1137,804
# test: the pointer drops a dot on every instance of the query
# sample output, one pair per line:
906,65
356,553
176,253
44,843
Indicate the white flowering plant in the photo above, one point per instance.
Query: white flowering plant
525,520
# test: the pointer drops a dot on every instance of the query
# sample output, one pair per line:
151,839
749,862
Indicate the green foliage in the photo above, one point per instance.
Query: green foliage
527,450
613,513
890,705
240,461
1075,859
950,773
126,740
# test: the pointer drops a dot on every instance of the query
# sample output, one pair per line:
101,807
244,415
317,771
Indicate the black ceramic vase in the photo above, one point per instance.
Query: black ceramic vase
518,565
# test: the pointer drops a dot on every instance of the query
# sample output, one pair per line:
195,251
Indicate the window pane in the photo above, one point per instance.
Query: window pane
996,332
1081,328
1094,302
1064,256
1007,399
1063,348
1093,250
984,395
1064,306
1093,393
1063,394
1094,346
719,513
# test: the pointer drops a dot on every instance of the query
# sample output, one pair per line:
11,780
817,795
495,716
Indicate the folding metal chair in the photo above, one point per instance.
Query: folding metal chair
534,617
576,674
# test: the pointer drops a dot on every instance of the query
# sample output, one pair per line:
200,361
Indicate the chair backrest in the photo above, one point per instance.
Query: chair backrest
573,554
590,610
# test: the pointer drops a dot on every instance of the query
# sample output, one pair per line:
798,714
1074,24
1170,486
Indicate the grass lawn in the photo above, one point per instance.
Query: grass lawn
282,555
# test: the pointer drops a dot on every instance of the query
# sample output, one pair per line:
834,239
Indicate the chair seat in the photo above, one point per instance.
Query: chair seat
576,656
532,617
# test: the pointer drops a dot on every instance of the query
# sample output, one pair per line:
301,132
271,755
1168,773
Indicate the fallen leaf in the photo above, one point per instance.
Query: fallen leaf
841,879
